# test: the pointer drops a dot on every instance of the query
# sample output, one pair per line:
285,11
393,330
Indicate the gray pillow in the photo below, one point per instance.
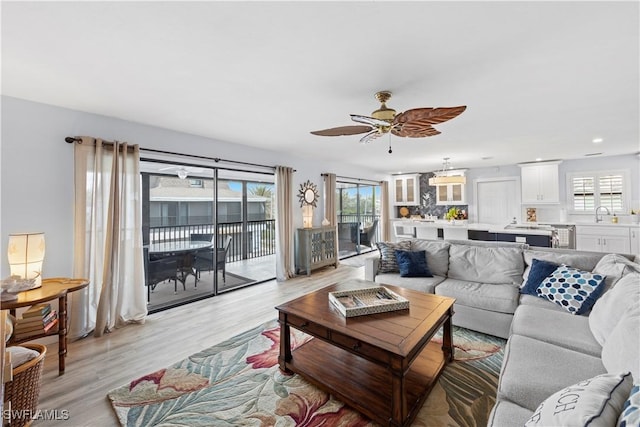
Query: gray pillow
609,308
437,254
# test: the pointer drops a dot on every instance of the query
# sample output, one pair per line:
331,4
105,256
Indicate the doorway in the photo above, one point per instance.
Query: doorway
206,230
497,200
358,212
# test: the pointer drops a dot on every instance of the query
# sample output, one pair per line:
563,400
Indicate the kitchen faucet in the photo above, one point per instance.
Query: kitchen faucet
601,207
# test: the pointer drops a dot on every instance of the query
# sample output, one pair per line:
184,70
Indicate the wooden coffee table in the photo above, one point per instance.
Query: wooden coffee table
384,364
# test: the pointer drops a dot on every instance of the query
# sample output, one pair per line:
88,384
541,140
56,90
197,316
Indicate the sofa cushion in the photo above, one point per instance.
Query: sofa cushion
532,370
621,351
540,270
594,402
608,309
630,415
505,413
388,262
437,254
540,303
412,263
486,296
573,289
578,259
491,264
422,284
555,327
614,267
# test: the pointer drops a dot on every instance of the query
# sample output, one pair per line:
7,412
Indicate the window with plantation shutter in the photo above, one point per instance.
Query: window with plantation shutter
592,189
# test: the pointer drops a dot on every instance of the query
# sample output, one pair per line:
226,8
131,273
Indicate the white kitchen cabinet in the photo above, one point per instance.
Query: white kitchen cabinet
634,240
450,194
406,190
540,183
610,239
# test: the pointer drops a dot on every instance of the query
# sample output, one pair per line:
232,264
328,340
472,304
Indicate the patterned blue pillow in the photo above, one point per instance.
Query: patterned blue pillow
572,289
539,271
413,264
630,415
388,262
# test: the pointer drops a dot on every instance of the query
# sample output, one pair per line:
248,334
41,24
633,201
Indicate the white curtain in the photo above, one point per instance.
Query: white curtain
107,238
284,223
384,212
330,203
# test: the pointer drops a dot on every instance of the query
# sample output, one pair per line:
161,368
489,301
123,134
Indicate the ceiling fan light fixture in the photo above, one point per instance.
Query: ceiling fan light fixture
182,173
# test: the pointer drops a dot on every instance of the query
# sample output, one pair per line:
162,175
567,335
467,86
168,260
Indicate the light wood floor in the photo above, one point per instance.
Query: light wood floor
95,366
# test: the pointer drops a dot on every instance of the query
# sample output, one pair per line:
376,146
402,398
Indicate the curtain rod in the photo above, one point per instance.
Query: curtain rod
355,179
71,140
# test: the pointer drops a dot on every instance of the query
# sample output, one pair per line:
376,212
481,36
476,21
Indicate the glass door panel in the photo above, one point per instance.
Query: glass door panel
187,221
358,215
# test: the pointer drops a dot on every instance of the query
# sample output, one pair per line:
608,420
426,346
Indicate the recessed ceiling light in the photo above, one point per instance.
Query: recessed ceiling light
597,140
538,159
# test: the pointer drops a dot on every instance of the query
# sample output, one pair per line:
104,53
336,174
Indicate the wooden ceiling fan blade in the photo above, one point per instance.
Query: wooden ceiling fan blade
342,130
369,120
429,115
411,130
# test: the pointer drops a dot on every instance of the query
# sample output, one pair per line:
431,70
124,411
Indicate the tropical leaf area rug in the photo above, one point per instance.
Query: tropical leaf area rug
238,383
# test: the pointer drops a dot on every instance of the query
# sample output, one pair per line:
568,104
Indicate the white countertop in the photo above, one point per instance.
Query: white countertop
441,223
463,224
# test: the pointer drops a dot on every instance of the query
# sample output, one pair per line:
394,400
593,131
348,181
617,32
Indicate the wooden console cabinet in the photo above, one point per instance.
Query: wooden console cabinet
316,247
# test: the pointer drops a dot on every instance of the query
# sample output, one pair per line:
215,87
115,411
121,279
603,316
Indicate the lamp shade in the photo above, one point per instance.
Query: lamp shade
307,216
444,180
26,254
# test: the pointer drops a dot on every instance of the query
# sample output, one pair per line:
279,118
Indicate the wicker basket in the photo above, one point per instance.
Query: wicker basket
24,389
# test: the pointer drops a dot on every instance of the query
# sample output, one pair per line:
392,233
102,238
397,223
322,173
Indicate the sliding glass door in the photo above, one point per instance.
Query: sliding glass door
206,230
358,214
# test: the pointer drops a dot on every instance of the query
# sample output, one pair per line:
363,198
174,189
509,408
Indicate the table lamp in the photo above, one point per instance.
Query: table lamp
307,216
26,253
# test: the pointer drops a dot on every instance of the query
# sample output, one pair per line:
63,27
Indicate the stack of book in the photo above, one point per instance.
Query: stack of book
37,320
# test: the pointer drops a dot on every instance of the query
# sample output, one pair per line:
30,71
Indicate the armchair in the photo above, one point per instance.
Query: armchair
366,235
160,270
203,260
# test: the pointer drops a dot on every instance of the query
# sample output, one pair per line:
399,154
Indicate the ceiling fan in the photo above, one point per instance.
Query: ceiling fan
181,171
414,123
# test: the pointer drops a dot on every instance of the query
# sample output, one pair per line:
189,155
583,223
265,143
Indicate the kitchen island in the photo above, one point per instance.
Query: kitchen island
532,234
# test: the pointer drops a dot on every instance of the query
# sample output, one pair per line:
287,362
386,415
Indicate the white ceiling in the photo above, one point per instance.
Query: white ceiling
540,79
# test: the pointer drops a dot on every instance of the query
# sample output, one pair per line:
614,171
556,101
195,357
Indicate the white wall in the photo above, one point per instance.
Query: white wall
36,173
551,213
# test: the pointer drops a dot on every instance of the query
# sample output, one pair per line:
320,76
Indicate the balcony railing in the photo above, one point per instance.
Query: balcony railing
251,239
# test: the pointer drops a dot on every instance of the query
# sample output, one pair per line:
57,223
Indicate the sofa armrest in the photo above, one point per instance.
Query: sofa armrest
371,268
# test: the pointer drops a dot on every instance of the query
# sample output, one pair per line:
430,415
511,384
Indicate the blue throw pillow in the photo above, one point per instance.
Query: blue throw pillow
539,271
572,289
630,415
413,264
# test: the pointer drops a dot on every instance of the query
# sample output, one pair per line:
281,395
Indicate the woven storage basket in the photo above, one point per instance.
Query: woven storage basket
24,390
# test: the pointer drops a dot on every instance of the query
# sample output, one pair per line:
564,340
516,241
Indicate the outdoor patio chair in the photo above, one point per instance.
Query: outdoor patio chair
160,270
366,235
203,260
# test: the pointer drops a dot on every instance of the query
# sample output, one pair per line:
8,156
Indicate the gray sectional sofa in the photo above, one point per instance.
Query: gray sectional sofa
550,352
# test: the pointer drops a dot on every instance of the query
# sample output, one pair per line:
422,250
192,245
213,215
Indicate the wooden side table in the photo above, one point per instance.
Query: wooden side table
51,289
